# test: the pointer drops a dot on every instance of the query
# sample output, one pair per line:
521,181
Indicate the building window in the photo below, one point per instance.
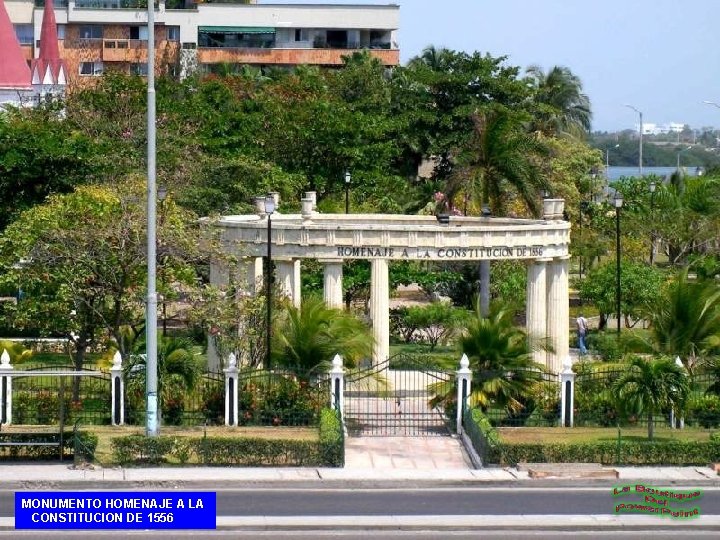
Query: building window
24,33
139,32
91,68
61,30
173,33
301,34
139,69
91,31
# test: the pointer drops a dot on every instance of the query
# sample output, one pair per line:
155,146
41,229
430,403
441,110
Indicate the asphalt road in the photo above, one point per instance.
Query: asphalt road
392,535
418,502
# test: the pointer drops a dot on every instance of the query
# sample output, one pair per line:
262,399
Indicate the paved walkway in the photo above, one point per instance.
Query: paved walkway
414,453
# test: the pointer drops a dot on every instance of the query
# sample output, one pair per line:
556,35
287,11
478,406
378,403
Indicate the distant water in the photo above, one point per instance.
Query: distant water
617,172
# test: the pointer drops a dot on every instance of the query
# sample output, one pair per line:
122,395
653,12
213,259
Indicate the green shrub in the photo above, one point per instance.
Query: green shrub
482,434
704,410
715,436
142,449
332,438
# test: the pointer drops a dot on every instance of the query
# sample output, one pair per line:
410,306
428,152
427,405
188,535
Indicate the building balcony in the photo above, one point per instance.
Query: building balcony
124,50
289,56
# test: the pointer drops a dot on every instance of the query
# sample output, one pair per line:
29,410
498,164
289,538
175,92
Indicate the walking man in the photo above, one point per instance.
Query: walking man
582,328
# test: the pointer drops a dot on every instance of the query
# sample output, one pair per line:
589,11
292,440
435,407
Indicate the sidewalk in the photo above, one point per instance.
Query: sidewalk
63,476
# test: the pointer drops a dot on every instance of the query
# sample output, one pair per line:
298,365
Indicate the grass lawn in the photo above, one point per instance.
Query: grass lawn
546,435
106,434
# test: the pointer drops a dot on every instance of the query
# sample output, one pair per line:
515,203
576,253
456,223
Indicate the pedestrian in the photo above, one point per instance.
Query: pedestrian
582,328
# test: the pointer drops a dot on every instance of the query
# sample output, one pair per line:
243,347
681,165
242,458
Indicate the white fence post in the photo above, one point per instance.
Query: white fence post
463,378
118,391
231,391
567,395
337,381
5,389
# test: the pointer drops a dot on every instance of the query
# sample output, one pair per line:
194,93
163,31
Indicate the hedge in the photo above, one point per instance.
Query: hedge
606,452
328,451
491,449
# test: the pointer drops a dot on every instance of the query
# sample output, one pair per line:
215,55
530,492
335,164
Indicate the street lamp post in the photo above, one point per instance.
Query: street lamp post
653,186
151,367
269,210
607,161
161,194
347,192
678,156
640,161
618,206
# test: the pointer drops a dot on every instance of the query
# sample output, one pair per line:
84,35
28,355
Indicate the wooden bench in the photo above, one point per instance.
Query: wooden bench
56,436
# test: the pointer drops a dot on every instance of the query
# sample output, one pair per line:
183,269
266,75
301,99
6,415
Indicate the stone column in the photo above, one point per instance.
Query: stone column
219,277
285,277
5,389
117,391
380,309
536,307
558,310
254,268
332,283
297,283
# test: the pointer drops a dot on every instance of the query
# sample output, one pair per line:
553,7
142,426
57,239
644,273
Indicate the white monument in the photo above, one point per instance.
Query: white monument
381,238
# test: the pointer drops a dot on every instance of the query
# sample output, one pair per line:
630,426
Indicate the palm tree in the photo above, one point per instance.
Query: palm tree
563,108
685,322
178,373
501,158
651,386
307,338
504,373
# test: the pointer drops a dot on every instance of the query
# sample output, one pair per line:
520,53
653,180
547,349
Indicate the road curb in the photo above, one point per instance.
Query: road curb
451,523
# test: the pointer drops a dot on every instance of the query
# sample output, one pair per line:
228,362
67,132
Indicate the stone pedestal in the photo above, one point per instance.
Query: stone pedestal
380,309
117,391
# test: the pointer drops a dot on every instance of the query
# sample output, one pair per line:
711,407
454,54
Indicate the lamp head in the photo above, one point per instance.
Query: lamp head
269,204
161,193
347,177
618,199
653,186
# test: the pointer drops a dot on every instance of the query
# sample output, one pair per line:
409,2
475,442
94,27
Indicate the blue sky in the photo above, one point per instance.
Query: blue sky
662,56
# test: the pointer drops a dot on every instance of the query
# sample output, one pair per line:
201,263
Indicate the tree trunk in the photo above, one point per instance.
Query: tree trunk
78,361
651,427
602,325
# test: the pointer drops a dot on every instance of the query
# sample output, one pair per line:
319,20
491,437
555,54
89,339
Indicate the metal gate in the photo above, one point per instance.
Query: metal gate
384,402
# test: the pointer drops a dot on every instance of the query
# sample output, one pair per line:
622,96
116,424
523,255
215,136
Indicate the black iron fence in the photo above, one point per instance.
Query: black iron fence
265,398
528,397
596,405
41,396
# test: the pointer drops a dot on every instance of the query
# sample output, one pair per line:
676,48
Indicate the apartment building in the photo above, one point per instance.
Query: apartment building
97,35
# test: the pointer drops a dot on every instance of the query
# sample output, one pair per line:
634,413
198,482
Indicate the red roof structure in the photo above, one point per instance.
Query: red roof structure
14,71
48,68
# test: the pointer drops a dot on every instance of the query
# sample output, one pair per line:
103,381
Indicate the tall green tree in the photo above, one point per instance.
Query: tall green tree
651,386
501,162
562,107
